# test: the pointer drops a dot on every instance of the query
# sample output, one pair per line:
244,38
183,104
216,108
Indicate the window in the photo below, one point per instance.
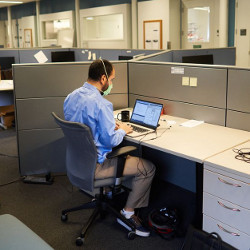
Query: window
51,28
106,27
198,24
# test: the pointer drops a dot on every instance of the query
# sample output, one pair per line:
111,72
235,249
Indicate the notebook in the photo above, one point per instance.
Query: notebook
145,117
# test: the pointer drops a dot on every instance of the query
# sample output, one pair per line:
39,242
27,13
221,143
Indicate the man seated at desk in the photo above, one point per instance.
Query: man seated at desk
87,105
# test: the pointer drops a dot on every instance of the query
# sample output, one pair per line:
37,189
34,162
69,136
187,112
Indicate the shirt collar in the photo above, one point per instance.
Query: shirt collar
92,87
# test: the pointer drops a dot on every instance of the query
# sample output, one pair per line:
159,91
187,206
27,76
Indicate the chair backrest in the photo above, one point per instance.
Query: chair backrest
81,154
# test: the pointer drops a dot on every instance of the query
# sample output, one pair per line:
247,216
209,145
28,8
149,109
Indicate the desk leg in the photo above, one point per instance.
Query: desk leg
199,195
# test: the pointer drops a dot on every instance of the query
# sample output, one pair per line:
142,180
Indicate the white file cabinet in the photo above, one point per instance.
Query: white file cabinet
226,198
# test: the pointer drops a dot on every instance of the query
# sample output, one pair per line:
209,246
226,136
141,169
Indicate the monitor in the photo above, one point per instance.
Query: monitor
6,67
125,57
6,62
63,56
199,59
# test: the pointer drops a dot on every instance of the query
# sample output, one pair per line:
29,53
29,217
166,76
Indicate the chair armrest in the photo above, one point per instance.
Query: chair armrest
121,152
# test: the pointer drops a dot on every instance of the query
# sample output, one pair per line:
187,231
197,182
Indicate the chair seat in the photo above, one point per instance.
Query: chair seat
107,182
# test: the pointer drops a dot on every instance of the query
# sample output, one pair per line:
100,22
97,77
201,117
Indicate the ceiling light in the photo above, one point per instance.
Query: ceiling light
11,2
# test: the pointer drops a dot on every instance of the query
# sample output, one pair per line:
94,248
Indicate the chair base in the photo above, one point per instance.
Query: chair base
101,206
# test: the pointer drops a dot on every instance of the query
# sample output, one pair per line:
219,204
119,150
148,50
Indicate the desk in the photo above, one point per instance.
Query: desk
226,200
196,144
6,85
6,95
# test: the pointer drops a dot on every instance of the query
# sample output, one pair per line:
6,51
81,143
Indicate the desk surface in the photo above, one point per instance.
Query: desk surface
6,85
196,143
227,161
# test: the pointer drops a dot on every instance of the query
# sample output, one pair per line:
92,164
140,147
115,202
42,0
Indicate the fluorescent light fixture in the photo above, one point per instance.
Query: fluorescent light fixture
90,18
11,2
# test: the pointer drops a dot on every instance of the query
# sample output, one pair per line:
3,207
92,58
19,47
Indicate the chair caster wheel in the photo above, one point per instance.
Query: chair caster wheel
131,235
64,217
79,241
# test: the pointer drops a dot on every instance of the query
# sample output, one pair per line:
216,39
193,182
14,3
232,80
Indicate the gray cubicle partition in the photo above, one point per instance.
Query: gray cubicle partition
27,55
238,104
41,89
163,82
10,53
221,56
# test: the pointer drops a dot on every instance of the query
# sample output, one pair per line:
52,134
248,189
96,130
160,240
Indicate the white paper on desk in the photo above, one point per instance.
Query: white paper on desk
191,123
6,84
40,57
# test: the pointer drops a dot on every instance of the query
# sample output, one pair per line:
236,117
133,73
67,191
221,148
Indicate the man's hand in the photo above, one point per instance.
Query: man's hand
124,126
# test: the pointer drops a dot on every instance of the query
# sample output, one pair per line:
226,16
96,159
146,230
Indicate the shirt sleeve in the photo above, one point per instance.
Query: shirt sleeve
106,123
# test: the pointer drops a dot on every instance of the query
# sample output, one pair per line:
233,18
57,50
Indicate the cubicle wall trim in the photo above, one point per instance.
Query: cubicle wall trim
189,103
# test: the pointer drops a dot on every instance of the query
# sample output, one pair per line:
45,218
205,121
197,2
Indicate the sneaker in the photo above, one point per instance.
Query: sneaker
140,230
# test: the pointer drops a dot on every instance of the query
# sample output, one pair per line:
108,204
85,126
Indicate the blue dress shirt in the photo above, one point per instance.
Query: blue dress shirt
86,105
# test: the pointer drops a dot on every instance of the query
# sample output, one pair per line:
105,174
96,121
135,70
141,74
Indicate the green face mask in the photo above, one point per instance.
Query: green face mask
108,90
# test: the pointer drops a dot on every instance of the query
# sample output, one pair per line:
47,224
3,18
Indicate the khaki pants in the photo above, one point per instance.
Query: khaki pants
142,172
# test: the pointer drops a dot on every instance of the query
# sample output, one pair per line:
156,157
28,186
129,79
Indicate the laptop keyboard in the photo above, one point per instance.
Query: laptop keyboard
139,129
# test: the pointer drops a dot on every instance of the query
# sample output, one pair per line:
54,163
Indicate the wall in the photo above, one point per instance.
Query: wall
2,32
154,10
242,41
174,24
23,23
107,10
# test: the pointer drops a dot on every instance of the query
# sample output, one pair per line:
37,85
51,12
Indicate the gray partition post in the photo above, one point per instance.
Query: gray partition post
238,108
41,89
171,84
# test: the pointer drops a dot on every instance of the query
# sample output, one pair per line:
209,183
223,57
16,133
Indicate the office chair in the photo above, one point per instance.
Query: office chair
81,159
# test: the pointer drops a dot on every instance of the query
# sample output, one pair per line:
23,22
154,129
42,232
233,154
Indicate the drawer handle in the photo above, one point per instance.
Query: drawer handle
223,229
229,183
230,208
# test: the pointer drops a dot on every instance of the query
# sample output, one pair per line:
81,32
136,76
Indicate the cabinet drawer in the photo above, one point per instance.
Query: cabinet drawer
239,240
227,188
227,212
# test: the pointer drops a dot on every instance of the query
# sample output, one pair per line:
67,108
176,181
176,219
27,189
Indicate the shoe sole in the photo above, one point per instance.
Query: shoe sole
137,232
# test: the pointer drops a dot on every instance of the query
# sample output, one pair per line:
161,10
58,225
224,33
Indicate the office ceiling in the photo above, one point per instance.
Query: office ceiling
11,4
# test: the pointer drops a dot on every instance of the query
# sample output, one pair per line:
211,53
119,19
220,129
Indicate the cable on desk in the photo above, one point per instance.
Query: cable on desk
243,154
157,136
8,183
13,156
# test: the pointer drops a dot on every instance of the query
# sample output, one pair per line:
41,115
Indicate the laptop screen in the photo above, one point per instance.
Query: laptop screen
146,113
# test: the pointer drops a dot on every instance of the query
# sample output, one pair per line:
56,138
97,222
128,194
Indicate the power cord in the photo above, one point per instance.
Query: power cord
13,156
8,183
243,154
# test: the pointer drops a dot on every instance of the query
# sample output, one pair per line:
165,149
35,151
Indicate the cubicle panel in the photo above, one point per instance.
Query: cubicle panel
84,55
41,151
238,120
222,56
186,110
119,100
239,90
27,55
160,57
42,80
165,81
35,113
59,79
120,83
10,53
135,52
110,54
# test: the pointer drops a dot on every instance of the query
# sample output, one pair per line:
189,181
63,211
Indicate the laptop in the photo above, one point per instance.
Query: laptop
145,117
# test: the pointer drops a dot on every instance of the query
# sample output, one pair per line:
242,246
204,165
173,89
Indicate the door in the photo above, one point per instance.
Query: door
152,34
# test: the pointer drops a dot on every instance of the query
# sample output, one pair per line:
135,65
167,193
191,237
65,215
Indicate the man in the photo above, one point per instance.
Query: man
87,105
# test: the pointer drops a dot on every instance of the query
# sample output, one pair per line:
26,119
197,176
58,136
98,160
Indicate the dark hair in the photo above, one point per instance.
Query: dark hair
96,69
